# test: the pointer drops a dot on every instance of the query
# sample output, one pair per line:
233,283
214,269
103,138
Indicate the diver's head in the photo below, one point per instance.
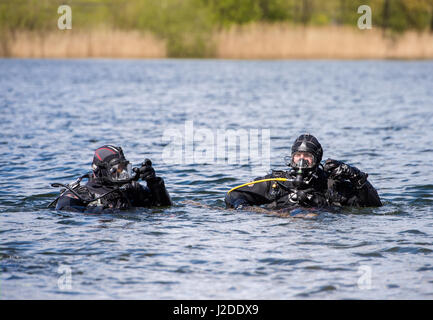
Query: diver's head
110,165
306,156
306,152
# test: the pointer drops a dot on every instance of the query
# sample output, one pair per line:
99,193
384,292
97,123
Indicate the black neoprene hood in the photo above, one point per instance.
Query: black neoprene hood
308,143
105,154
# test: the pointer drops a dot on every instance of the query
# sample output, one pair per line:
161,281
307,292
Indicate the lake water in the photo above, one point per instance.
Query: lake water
376,115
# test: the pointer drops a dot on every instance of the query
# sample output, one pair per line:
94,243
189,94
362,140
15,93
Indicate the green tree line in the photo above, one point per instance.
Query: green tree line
187,24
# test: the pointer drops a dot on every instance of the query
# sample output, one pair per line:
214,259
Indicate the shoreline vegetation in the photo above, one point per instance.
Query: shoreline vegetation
255,41
222,29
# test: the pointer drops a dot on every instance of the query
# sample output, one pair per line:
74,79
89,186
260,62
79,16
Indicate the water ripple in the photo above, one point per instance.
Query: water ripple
55,113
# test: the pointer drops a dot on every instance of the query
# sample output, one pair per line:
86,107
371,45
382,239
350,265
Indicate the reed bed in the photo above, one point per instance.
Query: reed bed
252,41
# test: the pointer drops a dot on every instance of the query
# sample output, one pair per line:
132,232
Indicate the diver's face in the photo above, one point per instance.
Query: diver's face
120,168
121,171
306,156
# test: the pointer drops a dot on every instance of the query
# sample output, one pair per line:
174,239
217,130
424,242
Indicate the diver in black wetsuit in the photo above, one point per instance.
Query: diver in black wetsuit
308,183
111,184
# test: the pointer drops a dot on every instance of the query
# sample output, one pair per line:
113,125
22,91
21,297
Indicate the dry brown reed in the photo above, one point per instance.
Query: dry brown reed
254,41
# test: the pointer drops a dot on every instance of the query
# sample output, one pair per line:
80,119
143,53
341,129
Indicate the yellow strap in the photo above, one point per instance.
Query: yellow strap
257,181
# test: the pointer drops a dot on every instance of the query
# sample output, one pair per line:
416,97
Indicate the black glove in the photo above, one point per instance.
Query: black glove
341,171
240,204
146,171
334,198
304,196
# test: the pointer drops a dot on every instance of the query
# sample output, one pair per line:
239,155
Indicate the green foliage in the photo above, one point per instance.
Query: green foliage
29,15
276,10
187,25
319,19
234,11
416,14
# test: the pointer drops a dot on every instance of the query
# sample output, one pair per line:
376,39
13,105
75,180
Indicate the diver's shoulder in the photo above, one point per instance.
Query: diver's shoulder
273,174
321,172
279,173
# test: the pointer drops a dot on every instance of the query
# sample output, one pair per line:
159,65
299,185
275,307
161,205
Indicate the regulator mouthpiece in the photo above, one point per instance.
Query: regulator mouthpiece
299,179
302,163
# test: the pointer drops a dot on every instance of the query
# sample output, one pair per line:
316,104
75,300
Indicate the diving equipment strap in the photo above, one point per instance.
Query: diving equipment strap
56,185
257,181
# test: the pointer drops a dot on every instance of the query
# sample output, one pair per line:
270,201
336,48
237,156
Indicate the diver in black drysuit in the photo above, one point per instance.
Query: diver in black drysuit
111,185
309,183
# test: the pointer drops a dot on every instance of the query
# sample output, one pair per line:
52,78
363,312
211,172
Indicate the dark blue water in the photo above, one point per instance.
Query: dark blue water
375,115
